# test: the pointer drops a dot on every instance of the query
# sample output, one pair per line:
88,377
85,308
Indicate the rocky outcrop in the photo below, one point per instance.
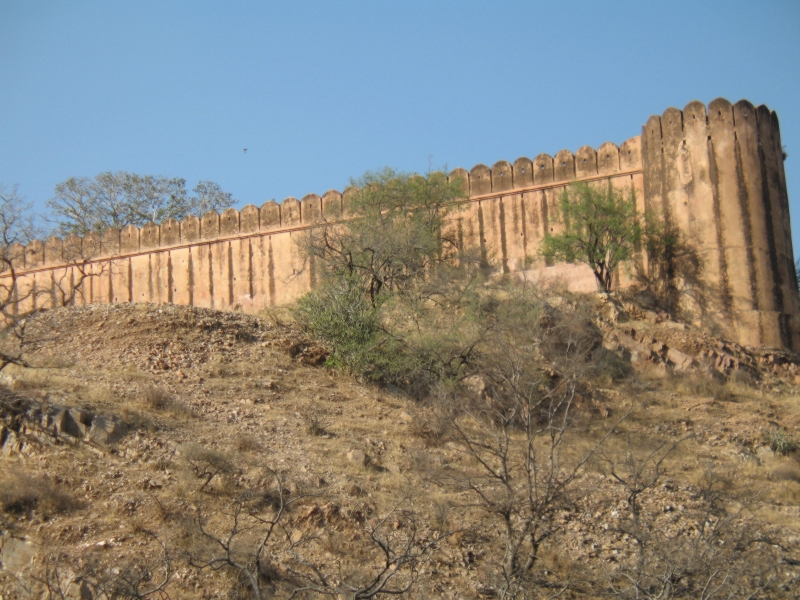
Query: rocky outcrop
25,421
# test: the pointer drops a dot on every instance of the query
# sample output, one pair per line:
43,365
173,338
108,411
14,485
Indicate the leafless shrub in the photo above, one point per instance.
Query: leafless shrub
324,551
391,547
513,422
20,300
138,574
206,463
431,426
157,398
441,517
248,443
727,555
316,422
162,401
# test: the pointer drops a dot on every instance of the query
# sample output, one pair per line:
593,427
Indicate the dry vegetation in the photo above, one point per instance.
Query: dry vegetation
249,469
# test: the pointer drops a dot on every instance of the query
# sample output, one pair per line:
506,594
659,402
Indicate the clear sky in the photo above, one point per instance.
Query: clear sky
319,92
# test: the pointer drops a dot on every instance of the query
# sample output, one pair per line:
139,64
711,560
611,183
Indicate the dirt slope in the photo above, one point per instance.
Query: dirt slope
253,391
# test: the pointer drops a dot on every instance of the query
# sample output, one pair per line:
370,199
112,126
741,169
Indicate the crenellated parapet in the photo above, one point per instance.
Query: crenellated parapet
522,175
715,174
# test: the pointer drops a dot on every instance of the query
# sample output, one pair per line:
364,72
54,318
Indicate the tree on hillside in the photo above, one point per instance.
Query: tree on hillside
16,222
600,228
20,297
117,199
396,245
399,234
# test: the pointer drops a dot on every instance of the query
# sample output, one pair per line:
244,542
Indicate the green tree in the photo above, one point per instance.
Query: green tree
600,228
397,234
376,265
81,205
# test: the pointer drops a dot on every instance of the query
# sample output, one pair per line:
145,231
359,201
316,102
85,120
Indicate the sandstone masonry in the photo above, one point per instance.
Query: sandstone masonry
716,174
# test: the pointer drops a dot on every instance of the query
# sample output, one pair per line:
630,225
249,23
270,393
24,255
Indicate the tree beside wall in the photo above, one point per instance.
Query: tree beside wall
600,228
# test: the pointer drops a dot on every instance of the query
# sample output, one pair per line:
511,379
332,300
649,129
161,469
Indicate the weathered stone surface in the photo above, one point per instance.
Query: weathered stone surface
209,225
502,176
54,419
717,176
53,251
249,219
77,422
16,554
586,162
480,180
106,430
607,159
130,239
462,176
331,205
34,254
11,442
564,166
311,208
149,236
357,457
630,154
523,172
290,212
542,169
170,232
681,361
270,216
229,222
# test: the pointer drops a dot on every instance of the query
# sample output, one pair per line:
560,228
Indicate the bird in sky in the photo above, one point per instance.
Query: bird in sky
245,150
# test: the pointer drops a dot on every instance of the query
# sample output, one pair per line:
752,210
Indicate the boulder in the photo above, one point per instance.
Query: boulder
73,422
357,457
54,419
77,422
12,443
681,361
16,554
107,430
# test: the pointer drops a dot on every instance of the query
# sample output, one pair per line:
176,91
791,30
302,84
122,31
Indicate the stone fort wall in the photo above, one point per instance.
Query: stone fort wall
716,174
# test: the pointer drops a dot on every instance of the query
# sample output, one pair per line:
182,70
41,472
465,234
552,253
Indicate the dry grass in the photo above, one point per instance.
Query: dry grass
787,471
699,385
145,481
779,440
207,464
131,374
132,414
248,443
159,400
39,379
316,422
23,494
156,398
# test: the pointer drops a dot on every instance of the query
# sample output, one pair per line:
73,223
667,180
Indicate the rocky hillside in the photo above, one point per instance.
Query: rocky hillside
163,451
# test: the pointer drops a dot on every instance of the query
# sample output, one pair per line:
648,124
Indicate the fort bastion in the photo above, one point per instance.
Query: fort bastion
715,173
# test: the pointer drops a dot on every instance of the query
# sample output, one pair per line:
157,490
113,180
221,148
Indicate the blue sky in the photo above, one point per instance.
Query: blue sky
319,92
